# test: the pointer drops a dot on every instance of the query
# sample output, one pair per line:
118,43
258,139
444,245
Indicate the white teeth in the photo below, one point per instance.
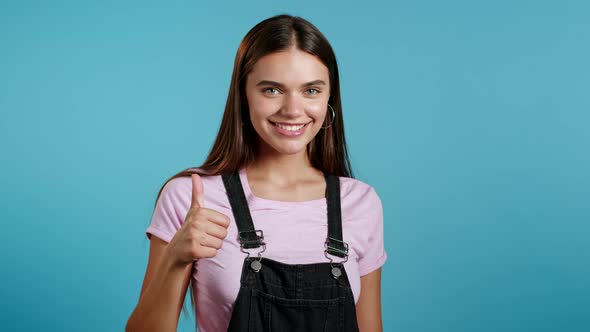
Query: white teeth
289,128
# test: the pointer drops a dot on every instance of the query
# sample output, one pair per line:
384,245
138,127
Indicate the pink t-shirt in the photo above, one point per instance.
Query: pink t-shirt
294,233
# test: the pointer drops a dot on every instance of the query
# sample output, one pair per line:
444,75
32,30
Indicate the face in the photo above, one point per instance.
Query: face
287,95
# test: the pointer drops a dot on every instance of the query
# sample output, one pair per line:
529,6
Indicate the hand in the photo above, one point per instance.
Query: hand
202,232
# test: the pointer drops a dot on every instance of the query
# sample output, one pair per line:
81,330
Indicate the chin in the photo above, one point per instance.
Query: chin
290,149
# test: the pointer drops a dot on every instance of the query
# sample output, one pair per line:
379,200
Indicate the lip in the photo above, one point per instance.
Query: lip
289,133
289,124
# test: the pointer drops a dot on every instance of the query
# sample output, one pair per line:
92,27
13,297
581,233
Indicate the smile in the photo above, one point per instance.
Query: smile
290,129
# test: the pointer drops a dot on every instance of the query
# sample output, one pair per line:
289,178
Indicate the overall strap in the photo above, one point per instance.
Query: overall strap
249,237
334,243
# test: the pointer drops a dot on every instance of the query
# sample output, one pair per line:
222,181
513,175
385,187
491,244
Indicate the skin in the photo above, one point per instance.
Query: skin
287,87
282,170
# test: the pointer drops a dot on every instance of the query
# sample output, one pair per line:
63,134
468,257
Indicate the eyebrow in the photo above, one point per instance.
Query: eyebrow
266,82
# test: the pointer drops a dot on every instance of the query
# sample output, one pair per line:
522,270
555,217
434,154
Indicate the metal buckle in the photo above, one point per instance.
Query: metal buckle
328,246
259,240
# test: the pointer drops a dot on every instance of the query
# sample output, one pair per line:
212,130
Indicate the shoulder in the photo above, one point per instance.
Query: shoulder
356,189
182,180
179,189
358,197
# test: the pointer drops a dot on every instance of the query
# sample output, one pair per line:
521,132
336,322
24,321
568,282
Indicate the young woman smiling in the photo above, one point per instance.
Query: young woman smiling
272,232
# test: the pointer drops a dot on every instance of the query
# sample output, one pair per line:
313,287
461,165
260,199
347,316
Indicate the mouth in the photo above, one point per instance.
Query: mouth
290,129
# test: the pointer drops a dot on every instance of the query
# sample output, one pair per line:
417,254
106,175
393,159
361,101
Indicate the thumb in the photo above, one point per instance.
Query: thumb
198,196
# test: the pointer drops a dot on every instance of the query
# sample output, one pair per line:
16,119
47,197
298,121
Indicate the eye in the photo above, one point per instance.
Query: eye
272,91
312,91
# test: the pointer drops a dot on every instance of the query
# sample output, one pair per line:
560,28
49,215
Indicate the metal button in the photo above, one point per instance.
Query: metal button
256,265
336,272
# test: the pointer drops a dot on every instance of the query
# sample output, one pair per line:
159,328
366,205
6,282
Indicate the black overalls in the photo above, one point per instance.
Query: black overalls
281,297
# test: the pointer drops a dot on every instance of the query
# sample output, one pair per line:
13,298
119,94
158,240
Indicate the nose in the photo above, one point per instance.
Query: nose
293,106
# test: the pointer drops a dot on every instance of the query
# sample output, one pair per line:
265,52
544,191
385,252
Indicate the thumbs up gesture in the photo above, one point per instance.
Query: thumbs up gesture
202,232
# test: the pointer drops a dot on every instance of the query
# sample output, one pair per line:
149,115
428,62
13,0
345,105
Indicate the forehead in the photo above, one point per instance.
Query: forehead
291,66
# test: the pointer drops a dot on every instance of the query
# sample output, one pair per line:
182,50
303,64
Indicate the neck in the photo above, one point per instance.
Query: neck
282,168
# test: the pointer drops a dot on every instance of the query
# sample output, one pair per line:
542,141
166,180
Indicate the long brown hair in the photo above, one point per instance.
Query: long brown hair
235,145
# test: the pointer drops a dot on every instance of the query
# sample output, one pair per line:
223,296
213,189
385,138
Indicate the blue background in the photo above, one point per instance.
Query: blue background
470,118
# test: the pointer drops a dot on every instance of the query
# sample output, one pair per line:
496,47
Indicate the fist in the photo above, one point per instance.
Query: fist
202,232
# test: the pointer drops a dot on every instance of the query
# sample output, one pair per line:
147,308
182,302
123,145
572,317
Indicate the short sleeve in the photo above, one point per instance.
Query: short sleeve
170,211
373,255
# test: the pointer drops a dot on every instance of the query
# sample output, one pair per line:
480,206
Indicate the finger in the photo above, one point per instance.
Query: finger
217,231
216,217
212,242
198,196
207,252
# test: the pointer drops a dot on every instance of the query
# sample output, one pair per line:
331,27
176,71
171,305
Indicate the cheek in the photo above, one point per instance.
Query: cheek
316,110
261,108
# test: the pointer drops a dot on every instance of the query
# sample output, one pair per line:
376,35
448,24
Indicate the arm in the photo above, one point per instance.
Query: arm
368,308
162,293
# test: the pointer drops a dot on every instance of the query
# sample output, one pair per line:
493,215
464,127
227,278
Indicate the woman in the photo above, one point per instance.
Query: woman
272,230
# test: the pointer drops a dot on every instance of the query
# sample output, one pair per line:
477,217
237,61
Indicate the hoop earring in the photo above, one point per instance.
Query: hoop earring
333,117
